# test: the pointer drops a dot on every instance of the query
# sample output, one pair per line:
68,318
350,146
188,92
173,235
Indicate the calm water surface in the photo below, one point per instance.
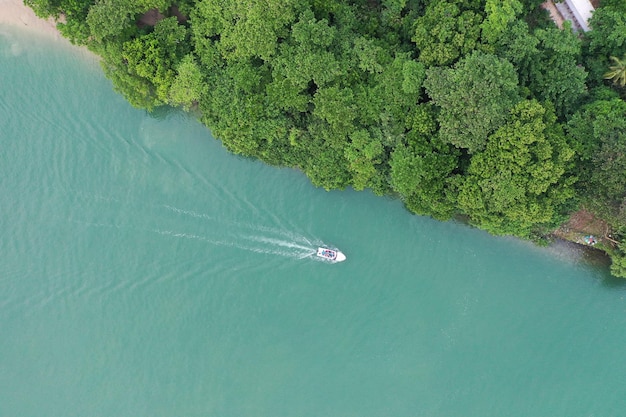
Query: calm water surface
144,271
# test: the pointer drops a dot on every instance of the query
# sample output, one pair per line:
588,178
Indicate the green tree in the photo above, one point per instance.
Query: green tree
311,54
520,47
322,163
608,34
307,60
475,98
189,85
500,14
422,166
555,74
337,107
137,90
391,13
518,183
547,63
371,55
155,57
363,153
618,261
607,38
73,12
44,8
246,29
599,132
112,20
236,108
144,68
617,71
387,98
445,32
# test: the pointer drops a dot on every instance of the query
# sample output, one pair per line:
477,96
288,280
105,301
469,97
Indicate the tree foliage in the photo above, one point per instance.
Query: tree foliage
617,71
618,264
599,131
555,74
518,182
110,20
247,29
422,167
188,85
475,97
500,14
155,56
445,32
607,38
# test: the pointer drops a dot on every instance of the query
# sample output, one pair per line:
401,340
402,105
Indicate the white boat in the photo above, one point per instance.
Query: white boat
331,254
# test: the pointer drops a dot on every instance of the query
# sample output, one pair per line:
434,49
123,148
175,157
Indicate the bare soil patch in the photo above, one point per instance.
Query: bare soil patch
581,226
150,18
175,12
555,15
154,16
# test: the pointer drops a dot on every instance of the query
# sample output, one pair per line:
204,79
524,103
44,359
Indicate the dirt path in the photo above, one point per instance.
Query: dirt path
555,15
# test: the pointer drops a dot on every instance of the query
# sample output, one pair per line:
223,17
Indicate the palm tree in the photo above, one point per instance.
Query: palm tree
617,72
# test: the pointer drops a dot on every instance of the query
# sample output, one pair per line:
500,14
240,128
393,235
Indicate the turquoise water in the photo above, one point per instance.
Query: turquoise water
144,271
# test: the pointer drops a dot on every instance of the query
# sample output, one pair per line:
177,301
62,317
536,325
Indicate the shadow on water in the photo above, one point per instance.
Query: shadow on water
591,257
163,112
579,253
583,253
613,283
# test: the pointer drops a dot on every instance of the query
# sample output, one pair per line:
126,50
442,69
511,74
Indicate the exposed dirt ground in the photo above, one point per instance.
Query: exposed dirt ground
555,15
583,224
153,16
150,18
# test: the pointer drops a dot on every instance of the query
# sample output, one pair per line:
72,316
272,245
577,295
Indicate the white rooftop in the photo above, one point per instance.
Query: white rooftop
582,10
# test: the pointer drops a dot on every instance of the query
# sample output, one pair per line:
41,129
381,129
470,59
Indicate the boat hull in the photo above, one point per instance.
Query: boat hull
331,255
340,257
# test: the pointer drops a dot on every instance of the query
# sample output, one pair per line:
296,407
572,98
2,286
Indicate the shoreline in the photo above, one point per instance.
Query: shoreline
15,13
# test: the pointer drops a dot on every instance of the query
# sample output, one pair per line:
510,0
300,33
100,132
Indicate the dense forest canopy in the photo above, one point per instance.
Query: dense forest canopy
482,109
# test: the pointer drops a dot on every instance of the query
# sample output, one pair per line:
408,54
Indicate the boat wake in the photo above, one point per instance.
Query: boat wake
252,237
215,231
269,246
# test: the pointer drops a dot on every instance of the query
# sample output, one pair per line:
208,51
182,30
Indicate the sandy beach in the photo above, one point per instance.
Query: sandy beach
14,12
